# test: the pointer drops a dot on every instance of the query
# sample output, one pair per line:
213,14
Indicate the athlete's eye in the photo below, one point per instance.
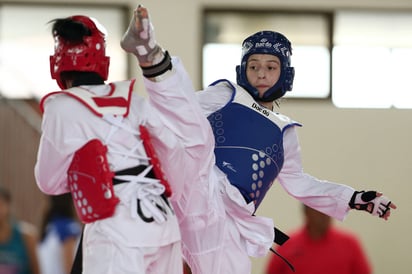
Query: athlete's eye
252,66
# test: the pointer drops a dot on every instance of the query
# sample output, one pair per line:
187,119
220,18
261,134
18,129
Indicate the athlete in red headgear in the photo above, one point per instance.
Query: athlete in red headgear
98,143
79,46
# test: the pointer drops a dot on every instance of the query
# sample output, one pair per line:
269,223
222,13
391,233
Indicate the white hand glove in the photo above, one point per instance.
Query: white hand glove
139,38
372,202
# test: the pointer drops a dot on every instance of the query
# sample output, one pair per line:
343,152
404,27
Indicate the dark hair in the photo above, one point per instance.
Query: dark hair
59,206
70,30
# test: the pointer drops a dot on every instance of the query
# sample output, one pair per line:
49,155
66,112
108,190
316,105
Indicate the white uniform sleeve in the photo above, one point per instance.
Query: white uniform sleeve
55,152
213,98
327,197
183,153
51,168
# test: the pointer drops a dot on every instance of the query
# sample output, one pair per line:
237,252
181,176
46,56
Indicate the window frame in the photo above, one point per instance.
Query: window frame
121,10
328,17
331,15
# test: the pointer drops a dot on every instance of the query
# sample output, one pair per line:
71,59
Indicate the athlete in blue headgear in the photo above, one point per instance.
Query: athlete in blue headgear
253,146
267,44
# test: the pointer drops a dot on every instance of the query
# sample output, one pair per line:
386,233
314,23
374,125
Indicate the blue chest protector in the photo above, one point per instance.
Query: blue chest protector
249,143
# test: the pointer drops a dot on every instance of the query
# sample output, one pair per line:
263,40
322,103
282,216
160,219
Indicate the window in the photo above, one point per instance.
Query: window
372,54
355,58
26,43
225,31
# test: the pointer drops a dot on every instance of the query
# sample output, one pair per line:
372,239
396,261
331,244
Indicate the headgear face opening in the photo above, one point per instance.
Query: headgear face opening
273,43
86,55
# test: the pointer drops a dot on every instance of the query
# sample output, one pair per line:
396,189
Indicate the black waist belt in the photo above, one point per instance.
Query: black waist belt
280,237
132,171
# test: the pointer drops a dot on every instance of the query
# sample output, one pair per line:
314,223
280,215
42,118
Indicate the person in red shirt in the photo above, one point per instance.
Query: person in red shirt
318,247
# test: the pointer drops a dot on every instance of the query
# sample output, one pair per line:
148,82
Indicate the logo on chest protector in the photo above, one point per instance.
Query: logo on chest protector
261,109
228,166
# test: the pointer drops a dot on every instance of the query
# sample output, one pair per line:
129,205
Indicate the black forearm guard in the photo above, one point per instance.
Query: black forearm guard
158,69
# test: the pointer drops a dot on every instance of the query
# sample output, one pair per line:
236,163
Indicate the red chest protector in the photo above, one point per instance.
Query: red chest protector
89,175
90,182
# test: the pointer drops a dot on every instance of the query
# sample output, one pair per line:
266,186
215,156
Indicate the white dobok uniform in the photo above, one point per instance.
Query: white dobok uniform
218,230
125,243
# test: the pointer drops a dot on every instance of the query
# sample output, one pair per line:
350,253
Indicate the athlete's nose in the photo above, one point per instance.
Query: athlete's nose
261,74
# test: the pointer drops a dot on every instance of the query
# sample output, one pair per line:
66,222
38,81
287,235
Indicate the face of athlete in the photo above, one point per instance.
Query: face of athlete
263,71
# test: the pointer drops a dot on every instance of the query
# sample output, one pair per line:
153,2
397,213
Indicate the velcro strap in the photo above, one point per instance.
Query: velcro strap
158,69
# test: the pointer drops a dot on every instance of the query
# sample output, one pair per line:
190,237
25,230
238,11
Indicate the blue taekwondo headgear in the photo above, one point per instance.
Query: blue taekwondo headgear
267,42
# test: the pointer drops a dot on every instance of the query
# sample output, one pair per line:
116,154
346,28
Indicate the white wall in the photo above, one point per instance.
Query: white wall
366,148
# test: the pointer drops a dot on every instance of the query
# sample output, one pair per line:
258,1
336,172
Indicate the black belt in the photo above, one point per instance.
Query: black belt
132,171
280,239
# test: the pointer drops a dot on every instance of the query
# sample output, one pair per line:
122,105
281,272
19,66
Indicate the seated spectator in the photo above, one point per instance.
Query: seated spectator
17,241
318,247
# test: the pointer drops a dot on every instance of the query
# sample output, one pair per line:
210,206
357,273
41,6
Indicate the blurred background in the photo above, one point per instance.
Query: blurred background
352,93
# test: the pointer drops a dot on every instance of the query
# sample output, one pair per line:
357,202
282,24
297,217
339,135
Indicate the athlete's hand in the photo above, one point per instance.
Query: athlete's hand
139,38
373,202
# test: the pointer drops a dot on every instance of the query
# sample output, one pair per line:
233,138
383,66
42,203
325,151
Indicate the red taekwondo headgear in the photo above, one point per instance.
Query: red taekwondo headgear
85,54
